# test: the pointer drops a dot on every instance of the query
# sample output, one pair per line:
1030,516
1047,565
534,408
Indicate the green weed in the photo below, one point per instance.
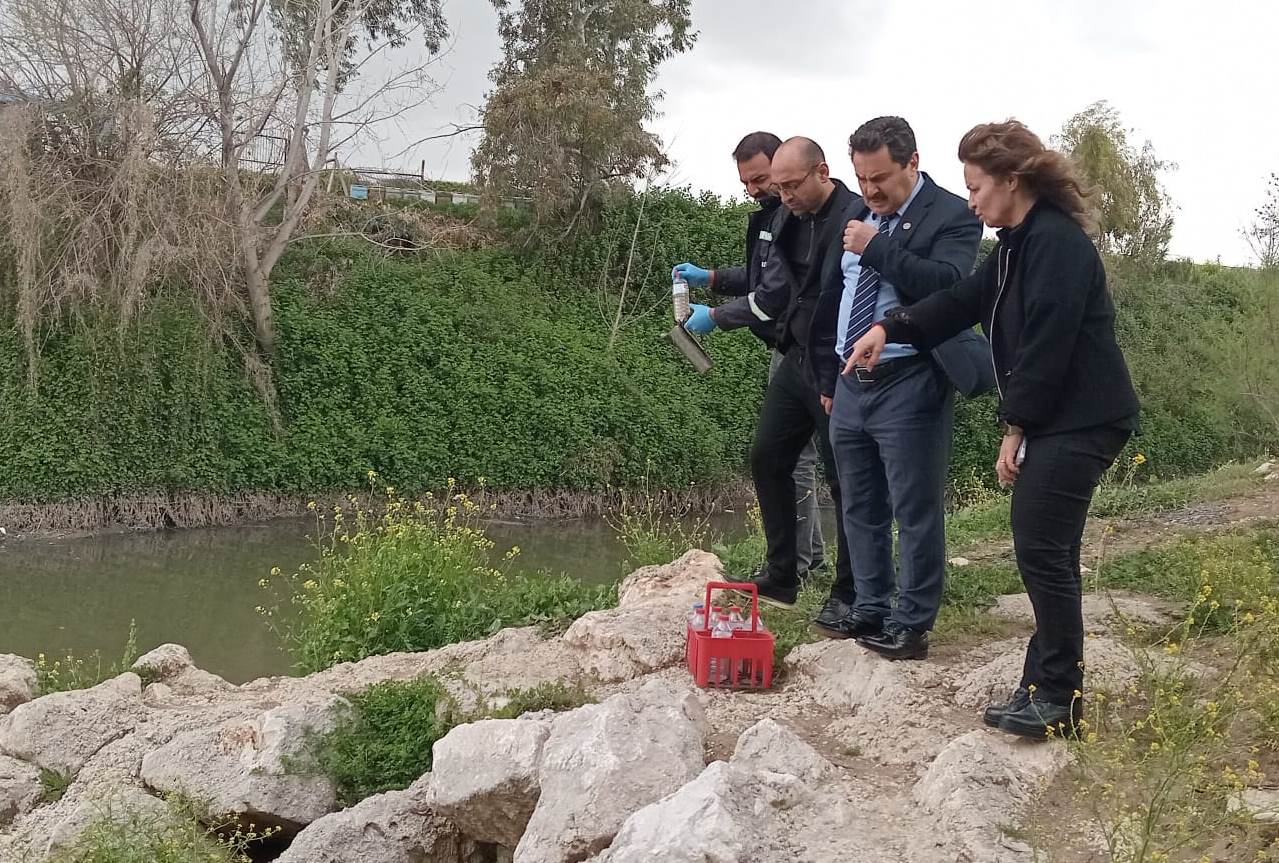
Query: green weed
384,743
188,834
82,672
412,578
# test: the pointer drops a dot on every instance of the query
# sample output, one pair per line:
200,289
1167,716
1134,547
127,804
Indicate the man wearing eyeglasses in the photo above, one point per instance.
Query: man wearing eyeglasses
808,236
755,304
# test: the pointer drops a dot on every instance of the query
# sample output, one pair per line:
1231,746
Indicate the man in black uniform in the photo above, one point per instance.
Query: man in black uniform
807,239
753,156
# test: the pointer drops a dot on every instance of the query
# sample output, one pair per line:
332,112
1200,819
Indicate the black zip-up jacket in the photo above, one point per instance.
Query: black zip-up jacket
1041,299
820,240
746,282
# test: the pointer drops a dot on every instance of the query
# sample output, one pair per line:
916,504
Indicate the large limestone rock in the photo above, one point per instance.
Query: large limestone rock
165,662
17,681
20,788
893,713
980,784
484,776
685,577
604,761
646,632
761,806
771,746
61,731
255,769
696,824
623,643
395,827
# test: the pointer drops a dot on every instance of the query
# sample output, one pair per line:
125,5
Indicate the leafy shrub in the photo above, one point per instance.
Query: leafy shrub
494,363
385,742
413,578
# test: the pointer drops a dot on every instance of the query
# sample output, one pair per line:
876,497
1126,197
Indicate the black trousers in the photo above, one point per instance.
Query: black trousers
790,415
1049,507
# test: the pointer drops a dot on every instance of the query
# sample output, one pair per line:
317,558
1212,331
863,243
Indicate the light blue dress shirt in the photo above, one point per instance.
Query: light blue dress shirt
888,298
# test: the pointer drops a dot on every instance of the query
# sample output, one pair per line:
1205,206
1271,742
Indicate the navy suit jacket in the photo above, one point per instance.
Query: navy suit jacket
932,248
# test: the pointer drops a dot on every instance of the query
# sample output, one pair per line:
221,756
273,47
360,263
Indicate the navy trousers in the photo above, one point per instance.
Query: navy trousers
891,441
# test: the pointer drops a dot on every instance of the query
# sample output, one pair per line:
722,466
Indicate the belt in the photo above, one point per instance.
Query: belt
884,371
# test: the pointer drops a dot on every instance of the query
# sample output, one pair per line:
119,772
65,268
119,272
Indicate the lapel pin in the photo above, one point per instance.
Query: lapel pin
905,226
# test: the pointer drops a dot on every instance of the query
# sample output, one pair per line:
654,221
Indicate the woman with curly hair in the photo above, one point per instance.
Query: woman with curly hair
1066,400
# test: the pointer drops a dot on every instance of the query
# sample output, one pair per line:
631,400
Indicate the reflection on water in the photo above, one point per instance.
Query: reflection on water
199,587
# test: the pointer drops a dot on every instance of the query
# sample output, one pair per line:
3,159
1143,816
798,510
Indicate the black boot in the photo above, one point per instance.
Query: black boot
995,712
1042,719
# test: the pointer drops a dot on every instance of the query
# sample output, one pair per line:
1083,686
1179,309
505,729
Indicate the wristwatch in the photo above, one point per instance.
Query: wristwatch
1009,428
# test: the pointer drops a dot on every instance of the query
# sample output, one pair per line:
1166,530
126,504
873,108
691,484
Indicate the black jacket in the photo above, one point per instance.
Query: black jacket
933,247
744,282
794,304
1041,299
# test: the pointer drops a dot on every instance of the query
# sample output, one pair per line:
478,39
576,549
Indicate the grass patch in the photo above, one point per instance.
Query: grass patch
53,785
793,626
554,695
187,835
82,672
384,743
1230,569
412,578
1119,497
1121,494
1160,762
652,532
742,557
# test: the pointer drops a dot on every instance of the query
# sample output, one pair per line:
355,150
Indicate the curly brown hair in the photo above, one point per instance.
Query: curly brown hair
1009,149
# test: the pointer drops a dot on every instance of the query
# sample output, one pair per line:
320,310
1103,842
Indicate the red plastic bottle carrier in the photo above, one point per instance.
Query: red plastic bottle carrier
743,660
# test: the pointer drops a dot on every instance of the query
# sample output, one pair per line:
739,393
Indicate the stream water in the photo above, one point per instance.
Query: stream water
199,587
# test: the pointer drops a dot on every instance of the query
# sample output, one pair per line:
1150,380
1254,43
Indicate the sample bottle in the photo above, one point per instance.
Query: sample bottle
679,297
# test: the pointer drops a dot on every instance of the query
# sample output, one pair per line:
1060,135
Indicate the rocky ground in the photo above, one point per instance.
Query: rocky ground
847,758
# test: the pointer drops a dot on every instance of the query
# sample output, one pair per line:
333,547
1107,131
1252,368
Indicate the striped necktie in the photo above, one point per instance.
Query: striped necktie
865,298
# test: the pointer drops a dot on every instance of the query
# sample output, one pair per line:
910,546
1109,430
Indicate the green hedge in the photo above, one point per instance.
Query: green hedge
496,364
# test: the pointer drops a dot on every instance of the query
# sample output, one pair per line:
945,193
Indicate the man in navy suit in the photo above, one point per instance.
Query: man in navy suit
890,428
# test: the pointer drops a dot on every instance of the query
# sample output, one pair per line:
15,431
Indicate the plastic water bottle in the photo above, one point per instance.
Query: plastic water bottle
679,296
735,619
698,618
723,628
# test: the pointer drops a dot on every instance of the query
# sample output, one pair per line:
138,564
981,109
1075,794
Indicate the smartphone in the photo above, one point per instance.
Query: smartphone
1021,453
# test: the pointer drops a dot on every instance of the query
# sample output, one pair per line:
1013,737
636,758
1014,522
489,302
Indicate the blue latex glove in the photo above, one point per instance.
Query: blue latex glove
701,321
692,274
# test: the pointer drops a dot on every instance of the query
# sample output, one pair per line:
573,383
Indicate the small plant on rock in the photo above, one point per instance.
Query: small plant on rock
82,672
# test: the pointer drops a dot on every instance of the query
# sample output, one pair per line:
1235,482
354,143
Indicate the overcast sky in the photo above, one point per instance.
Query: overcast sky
1192,78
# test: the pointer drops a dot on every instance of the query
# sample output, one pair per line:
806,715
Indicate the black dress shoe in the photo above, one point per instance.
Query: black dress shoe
828,618
852,625
773,592
897,642
995,712
1042,719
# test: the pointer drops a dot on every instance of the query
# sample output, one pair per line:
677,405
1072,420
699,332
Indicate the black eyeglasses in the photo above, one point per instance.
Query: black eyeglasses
791,185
